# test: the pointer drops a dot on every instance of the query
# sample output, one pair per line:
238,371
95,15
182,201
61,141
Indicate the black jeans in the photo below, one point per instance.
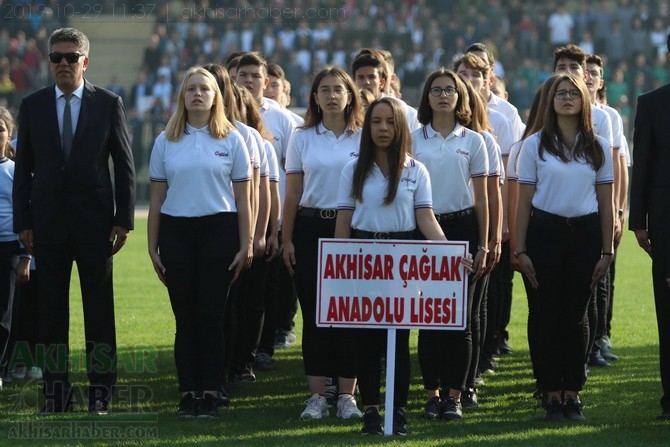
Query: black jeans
564,255
324,350
445,356
196,253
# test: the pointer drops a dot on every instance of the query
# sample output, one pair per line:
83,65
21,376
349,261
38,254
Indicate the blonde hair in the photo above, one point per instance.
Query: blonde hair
219,125
7,117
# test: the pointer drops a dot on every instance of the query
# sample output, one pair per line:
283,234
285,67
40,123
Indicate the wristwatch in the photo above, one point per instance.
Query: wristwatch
620,213
519,253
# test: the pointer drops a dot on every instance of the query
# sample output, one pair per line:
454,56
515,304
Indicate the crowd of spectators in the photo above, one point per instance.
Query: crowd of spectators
303,35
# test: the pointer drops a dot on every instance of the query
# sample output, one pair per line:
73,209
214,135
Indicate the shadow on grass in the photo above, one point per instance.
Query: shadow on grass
621,403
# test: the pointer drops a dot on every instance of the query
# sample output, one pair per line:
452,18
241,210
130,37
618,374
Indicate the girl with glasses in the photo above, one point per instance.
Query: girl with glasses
564,238
457,162
317,153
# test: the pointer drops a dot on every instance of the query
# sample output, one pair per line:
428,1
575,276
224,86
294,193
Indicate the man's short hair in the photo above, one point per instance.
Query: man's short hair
570,51
370,59
276,71
597,60
480,47
253,58
71,35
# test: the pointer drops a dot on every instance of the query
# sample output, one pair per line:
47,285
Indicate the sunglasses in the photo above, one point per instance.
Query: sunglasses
71,58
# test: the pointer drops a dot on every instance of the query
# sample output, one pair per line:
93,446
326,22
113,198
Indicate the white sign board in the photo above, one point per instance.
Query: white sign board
397,284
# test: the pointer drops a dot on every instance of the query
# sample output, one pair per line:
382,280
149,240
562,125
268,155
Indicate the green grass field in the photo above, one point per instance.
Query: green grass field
621,402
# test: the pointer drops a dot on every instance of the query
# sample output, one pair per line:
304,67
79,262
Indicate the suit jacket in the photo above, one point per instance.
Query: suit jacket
60,199
650,182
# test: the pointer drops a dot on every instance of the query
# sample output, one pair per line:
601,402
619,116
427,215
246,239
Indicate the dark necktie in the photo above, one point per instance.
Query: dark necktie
67,127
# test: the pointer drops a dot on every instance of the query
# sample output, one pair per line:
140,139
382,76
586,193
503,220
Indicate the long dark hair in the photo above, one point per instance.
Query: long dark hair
551,138
353,112
398,151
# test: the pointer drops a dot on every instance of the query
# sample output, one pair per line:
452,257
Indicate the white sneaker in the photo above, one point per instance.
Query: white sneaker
19,373
316,408
346,407
34,373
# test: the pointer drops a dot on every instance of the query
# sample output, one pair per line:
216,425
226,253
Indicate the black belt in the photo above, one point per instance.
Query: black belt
317,213
455,214
362,234
569,221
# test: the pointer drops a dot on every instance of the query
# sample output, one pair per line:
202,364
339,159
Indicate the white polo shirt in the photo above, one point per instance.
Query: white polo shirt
372,214
260,144
273,166
277,120
513,160
250,142
494,155
451,163
320,156
200,171
602,125
510,112
565,189
617,124
502,131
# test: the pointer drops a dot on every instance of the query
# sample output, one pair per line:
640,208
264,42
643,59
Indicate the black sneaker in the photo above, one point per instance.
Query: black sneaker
469,399
451,408
572,410
331,395
433,408
245,374
264,362
223,397
596,359
208,406
188,406
505,348
99,407
372,422
399,422
554,411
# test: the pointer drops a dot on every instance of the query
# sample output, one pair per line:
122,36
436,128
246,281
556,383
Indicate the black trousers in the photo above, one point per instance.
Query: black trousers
94,263
445,356
249,313
25,323
564,256
324,350
196,253
7,251
371,347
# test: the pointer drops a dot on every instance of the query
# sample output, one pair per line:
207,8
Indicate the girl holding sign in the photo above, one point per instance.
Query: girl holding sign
564,232
384,194
457,161
317,152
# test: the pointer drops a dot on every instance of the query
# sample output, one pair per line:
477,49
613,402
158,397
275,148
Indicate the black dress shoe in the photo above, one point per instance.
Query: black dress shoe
596,359
665,416
99,407
53,407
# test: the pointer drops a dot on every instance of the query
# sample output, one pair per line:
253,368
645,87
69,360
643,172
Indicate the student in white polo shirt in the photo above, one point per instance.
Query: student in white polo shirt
317,153
256,337
484,312
534,123
457,162
252,74
199,232
385,193
564,238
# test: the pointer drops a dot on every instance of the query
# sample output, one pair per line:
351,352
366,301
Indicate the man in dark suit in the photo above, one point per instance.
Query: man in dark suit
650,210
66,209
